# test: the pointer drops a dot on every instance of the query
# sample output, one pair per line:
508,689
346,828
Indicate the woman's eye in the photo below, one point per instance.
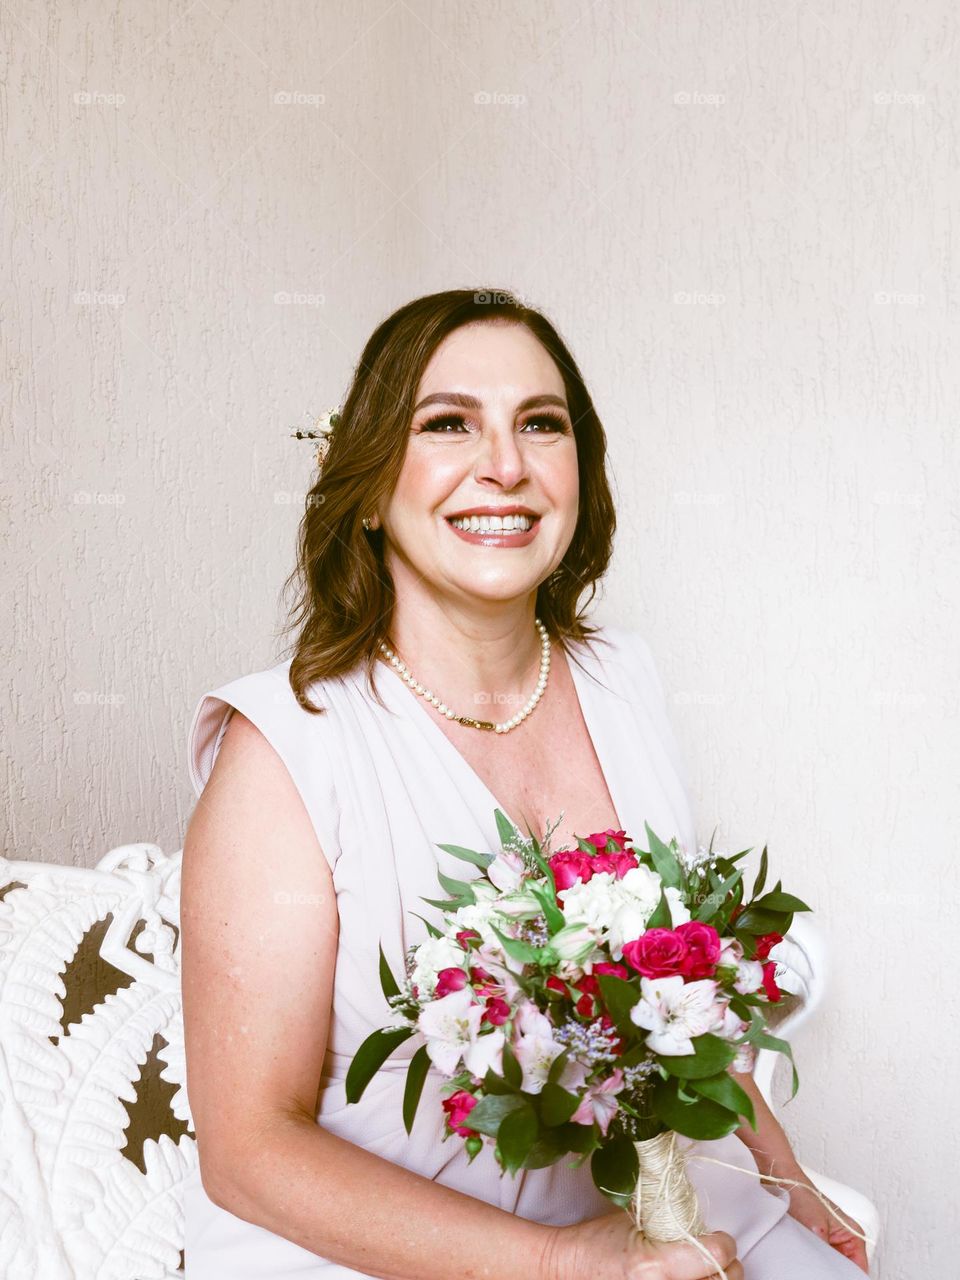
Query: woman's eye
547,422
433,424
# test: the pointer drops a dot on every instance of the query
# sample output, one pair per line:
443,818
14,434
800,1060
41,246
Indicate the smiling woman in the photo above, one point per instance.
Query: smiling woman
461,513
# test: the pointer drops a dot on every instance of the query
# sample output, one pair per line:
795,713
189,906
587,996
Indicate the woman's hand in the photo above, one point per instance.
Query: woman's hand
809,1210
609,1246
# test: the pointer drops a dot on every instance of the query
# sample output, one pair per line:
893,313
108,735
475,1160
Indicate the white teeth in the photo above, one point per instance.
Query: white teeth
493,524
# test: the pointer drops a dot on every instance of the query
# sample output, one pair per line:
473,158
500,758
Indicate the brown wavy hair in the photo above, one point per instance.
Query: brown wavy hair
344,593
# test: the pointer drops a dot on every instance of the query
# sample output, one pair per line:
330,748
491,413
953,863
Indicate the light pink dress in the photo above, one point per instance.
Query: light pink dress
383,789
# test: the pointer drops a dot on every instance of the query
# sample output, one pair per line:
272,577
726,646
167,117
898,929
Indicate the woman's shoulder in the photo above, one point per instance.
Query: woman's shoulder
303,739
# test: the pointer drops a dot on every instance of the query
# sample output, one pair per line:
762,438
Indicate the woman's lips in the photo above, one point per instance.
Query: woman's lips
490,539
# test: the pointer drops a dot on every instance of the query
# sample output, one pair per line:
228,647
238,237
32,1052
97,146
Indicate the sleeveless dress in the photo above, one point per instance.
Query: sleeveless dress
382,789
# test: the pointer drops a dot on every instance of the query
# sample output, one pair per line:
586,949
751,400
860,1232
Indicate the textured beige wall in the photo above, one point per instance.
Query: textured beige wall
742,215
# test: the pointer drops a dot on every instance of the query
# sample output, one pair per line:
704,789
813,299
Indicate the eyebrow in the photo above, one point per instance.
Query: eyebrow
471,402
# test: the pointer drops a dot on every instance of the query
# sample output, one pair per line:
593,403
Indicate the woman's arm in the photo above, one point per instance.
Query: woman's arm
259,934
768,1143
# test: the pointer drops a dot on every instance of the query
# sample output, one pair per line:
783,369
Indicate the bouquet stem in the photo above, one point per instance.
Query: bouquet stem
664,1205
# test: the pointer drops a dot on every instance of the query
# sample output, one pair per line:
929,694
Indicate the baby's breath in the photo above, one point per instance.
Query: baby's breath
590,1043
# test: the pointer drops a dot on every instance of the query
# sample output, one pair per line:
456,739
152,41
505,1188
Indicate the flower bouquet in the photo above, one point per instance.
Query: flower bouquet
592,1002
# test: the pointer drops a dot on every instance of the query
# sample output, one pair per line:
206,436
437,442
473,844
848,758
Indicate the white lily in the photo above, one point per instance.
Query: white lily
673,1011
451,1026
534,1047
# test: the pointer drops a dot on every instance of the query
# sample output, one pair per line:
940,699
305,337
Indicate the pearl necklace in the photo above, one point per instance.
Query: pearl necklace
404,672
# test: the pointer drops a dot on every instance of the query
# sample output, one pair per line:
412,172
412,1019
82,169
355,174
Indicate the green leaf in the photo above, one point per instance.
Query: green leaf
661,918
547,1150
371,1055
759,920
715,900
615,1167
554,917
557,1066
619,996
505,828
778,901
387,980
512,1071
724,1089
487,1115
457,888
416,1074
703,1119
761,879
664,861
517,1134
432,929
492,1083
557,1105
468,855
763,1040
516,948
710,1055
448,906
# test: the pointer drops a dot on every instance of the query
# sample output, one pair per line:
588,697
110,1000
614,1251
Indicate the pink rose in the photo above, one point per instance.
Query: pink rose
600,838
703,948
569,866
610,967
458,1106
448,980
619,863
658,953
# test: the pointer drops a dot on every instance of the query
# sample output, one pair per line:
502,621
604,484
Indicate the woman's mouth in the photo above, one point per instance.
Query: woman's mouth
495,531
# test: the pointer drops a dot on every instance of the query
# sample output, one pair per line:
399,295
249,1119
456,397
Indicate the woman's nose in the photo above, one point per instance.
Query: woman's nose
500,458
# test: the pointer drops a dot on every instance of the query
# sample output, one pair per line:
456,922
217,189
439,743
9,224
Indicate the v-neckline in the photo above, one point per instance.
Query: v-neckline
585,690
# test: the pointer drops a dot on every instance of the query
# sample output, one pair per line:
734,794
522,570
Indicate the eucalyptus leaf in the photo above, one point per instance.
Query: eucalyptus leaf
416,1074
664,861
371,1055
387,980
468,855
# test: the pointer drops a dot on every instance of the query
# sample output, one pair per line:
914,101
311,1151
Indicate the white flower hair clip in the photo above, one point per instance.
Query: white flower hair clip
321,431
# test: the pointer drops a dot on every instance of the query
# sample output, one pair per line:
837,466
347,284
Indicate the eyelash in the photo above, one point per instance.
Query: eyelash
558,423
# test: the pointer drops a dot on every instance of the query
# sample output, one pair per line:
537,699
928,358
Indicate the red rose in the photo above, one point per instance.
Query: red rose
589,984
448,980
585,1006
553,983
769,982
458,1106
656,954
608,966
765,942
703,948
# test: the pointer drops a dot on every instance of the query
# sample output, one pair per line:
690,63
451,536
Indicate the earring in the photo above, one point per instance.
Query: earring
366,523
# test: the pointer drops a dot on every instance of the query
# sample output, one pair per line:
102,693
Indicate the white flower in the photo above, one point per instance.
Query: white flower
745,1059
574,942
749,976
617,911
534,1046
432,955
504,871
731,952
451,1026
674,1011
480,916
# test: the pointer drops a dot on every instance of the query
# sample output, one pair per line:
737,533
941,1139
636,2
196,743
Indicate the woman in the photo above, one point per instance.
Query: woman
327,783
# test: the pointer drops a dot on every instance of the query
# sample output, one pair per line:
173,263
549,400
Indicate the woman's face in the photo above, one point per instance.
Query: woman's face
489,448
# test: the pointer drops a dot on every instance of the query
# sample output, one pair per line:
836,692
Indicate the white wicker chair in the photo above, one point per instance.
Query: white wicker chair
80,1197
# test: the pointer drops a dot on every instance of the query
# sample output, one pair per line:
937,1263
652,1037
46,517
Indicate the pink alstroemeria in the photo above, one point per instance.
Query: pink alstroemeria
599,1104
